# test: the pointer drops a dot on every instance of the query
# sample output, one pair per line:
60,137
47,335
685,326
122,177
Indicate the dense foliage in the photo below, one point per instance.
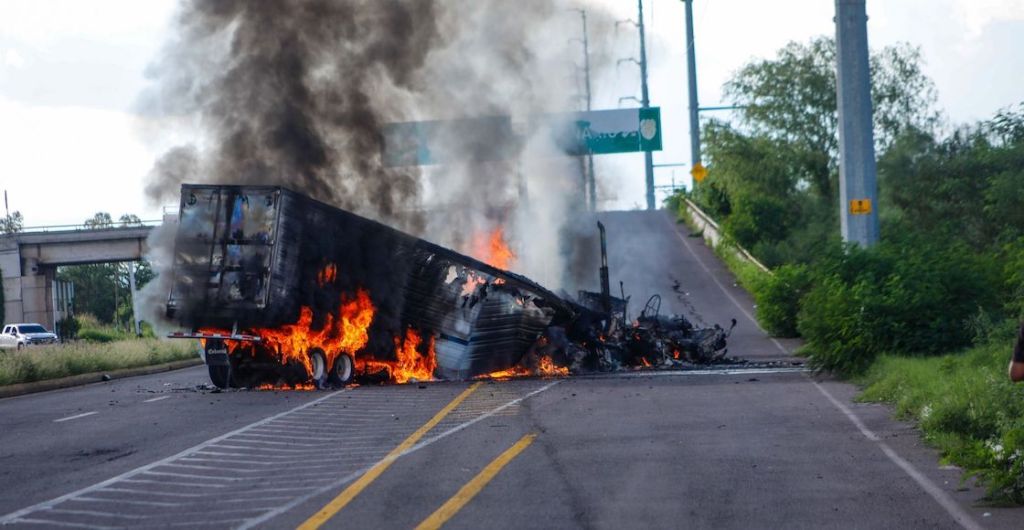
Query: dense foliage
952,209
949,269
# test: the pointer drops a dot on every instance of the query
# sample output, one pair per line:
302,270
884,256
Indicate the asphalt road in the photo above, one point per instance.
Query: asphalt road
716,449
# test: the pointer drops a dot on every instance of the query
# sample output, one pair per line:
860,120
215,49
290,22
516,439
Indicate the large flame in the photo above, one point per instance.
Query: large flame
345,332
493,249
348,333
412,364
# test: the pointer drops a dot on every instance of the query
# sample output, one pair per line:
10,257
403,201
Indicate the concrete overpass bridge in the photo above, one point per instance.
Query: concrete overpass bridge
29,262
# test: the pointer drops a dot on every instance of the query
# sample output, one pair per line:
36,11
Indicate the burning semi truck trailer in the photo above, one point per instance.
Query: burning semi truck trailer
284,289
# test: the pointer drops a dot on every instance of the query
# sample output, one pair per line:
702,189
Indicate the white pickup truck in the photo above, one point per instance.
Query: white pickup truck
21,335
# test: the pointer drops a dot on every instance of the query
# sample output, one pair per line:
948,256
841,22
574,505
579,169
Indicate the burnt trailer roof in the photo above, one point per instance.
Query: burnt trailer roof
253,256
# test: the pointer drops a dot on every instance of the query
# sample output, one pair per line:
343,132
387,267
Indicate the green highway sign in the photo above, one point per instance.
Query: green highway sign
595,132
602,132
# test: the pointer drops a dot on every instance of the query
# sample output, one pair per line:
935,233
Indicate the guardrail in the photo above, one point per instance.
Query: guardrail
84,227
713,233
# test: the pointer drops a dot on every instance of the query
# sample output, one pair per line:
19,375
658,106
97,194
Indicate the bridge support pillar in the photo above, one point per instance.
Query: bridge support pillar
37,296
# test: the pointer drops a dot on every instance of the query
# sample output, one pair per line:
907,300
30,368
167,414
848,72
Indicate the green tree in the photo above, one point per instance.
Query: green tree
792,98
99,220
129,220
12,223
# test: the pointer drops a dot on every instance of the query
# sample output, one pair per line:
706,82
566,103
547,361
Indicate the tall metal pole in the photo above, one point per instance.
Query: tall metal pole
591,186
645,102
858,188
691,73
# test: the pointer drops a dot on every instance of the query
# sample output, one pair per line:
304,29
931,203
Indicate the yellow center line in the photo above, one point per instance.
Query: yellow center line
466,494
345,497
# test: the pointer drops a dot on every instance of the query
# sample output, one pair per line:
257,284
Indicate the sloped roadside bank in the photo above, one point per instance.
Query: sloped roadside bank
961,400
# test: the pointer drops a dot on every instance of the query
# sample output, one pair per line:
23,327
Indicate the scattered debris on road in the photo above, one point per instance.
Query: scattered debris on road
286,292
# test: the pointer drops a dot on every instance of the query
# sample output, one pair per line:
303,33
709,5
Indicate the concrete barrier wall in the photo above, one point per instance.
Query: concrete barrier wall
713,234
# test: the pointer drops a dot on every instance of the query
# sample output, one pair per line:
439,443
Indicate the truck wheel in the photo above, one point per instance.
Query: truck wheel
343,370
220,375
318,363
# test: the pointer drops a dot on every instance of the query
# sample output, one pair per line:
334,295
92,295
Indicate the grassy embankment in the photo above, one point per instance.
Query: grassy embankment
962,400
98,349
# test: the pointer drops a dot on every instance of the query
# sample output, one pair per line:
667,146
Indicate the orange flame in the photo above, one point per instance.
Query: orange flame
493,250
546,367
348,334
515,371
327,274
411,364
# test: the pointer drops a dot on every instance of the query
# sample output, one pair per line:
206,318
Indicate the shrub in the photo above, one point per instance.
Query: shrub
909,296
778,299
99,335
1014,273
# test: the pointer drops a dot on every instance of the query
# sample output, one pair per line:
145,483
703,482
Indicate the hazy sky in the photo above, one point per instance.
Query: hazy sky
71,70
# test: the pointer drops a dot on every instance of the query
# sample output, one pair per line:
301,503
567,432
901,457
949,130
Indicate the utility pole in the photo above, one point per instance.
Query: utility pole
591,184
645,102
858,188
590,188
691,70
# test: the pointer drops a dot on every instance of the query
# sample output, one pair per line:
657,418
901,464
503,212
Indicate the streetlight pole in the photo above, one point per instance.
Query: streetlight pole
645,102
691,70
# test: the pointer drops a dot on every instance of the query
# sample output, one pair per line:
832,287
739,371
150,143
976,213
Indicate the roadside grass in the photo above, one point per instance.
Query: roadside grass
38,363
963,402
966,407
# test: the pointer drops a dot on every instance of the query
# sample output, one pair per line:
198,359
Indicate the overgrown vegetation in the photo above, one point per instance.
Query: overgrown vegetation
965,405
39,363
951,260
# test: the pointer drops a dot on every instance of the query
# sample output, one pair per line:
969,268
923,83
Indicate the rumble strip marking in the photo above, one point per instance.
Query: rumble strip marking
380,467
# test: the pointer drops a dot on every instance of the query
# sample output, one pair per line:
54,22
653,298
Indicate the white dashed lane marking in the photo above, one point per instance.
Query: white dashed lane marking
76,416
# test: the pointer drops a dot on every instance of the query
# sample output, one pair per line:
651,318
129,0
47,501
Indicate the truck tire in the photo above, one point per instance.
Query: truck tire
342,371
318,363
220,375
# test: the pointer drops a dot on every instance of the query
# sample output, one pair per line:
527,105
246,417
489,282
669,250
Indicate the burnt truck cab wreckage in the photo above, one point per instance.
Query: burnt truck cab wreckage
283,290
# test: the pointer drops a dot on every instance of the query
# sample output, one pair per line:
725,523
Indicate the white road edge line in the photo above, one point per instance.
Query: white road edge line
159,398
349,478
724,290
76,416
13,516
951,506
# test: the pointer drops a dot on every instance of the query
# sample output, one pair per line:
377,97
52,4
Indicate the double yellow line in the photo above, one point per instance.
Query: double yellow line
449,508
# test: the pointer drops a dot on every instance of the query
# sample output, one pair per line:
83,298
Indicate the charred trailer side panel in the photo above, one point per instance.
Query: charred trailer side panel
250,257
